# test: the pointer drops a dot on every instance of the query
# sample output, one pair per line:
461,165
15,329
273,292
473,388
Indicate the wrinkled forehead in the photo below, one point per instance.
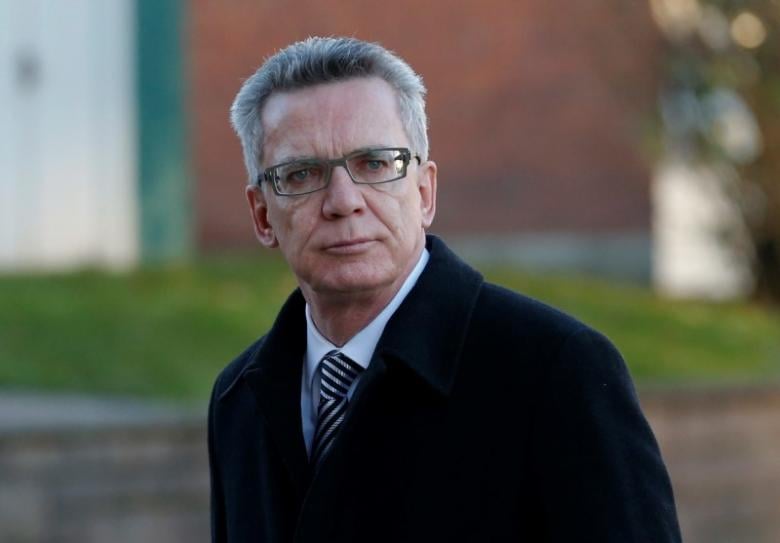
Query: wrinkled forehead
331,119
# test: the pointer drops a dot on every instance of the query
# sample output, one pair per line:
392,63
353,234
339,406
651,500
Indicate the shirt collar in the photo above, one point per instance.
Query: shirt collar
360,347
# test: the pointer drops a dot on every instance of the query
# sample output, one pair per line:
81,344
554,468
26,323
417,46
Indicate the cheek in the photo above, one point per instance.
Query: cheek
292,219
393,189
397,205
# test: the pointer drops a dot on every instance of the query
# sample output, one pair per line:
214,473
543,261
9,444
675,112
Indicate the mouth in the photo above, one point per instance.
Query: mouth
352,246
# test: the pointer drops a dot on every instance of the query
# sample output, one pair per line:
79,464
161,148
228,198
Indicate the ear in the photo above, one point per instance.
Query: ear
258,207
427,187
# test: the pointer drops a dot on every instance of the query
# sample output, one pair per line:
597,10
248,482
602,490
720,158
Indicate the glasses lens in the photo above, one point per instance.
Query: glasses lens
378,165
300,177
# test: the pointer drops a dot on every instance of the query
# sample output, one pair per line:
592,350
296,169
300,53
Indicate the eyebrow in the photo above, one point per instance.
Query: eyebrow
311,158
297,158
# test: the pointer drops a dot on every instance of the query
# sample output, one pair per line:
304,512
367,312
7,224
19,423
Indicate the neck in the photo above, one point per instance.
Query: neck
338,319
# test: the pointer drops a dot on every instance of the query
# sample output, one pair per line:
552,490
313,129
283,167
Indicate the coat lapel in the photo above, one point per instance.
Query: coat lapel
274,376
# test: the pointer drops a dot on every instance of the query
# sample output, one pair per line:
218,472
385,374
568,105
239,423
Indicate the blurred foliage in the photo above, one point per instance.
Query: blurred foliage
721,107
166,332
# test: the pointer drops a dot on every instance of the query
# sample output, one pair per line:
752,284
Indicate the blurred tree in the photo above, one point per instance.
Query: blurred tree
720,107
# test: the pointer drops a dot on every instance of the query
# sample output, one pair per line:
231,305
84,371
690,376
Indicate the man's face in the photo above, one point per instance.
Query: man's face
346,239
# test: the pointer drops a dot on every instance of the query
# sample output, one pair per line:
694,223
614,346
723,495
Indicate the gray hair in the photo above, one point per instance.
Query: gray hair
320,60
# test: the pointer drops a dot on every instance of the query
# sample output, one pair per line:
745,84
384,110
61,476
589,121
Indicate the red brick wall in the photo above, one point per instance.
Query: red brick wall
536,107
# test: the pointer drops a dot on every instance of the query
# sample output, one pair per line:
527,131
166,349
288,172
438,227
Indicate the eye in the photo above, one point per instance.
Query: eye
299,175
372,163
375,164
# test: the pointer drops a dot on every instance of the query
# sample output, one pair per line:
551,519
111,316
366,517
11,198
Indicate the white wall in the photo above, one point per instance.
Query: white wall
697,235
67,134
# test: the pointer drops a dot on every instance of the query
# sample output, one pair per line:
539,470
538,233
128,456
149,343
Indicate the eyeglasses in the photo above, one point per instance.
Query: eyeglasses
365,167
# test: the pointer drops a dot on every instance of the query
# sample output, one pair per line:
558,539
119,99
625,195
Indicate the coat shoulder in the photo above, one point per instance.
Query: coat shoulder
507,321
554,345
513,312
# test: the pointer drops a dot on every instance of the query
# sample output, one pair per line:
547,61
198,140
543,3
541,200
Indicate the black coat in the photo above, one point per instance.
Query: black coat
484,416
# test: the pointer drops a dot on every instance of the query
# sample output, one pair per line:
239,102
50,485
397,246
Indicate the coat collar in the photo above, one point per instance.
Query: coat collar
427,331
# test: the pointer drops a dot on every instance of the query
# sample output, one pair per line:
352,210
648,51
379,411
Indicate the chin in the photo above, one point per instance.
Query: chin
352,279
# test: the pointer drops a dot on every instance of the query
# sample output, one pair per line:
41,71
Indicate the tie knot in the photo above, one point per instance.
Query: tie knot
338,372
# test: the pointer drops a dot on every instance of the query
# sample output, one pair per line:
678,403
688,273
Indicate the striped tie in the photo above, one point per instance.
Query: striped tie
337,374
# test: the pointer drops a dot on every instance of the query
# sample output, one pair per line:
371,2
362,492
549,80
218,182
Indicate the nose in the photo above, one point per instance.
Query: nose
342,196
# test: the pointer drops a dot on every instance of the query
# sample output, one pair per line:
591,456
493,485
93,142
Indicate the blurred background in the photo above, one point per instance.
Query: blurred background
618,159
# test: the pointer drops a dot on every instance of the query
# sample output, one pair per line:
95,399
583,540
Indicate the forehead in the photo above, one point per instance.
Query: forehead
331,119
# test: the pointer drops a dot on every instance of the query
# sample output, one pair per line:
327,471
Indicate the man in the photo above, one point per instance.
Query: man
398,397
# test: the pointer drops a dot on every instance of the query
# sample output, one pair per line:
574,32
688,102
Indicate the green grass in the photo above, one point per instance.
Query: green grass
167,331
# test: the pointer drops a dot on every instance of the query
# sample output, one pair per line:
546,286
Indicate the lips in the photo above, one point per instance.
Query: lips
351,246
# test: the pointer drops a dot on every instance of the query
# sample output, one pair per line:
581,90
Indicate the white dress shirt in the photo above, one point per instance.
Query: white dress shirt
359,348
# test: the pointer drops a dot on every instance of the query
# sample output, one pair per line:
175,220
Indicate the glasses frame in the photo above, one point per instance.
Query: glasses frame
269,174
